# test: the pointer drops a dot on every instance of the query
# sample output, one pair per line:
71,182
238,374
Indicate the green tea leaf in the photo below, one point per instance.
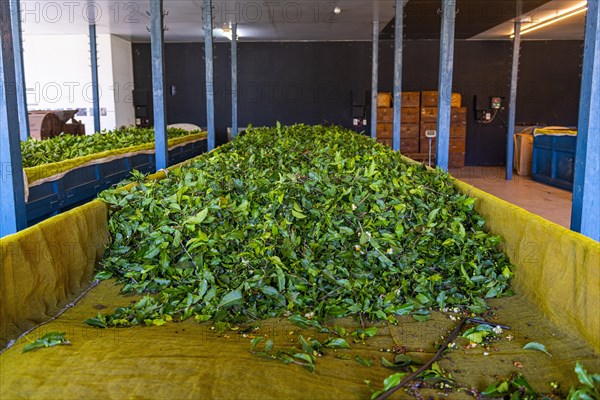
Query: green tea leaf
367,362
337,343
392,381
304,357
536,346
269,345
583,376
48,340
231,298
98,322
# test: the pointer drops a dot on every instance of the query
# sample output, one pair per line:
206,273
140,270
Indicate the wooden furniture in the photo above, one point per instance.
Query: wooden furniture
419,114
409,127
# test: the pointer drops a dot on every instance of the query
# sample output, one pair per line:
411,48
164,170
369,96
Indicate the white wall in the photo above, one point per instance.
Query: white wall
58,76
122,71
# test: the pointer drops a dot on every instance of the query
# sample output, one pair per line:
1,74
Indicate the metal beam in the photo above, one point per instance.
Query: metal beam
12,194
234,81
157,40
398,39
374,79
585,217
95,87
512,102
208,60
15,9
445,83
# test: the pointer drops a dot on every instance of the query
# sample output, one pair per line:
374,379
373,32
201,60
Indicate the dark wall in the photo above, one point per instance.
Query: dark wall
287,82
314,83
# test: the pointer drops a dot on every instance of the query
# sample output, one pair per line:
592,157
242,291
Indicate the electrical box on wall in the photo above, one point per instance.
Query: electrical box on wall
359,109
487,108
496,103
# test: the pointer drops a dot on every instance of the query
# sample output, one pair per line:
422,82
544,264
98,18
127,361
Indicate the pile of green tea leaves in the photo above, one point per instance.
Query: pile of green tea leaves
310,220
66,147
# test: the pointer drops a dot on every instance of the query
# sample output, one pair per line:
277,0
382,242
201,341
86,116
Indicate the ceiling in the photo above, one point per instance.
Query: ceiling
422,20
258,20
568,29
299,20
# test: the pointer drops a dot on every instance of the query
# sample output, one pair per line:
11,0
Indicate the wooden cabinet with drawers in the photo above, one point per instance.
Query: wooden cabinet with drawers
411,99
406,145
408,115
457,115
419,113
430,99
458,128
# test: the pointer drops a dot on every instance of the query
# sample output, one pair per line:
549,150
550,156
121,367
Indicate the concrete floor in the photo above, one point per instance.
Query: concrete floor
549,202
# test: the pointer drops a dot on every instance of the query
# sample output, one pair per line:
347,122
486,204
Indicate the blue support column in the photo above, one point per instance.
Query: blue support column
12,194
585,217
374,79
95,87
15,10
398,39
157,39
234,81
512,102
208,60
445,83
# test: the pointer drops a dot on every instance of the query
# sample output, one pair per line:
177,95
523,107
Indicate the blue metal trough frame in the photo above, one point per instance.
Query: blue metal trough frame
12,194
445,83
82,184
15,9
208,59
512,102
157,40
585,217
398,42
374,79
234,81
95,84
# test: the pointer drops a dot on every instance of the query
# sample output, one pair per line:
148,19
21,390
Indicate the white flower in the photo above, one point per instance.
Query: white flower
390,251
485,353
357,248
497,330
444,310
509,338
309,315
452,345
353,207
368,234
453,318
456,309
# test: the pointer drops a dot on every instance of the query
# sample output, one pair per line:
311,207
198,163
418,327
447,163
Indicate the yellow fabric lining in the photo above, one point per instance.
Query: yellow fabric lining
557,273
557,268
555,131
193,361
47,265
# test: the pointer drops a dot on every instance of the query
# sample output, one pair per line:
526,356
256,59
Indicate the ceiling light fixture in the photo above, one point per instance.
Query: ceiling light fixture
227,33
559,17
337,10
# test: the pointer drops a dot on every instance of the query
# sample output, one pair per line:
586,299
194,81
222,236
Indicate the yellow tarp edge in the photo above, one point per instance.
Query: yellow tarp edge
556,268
46,170
47,265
